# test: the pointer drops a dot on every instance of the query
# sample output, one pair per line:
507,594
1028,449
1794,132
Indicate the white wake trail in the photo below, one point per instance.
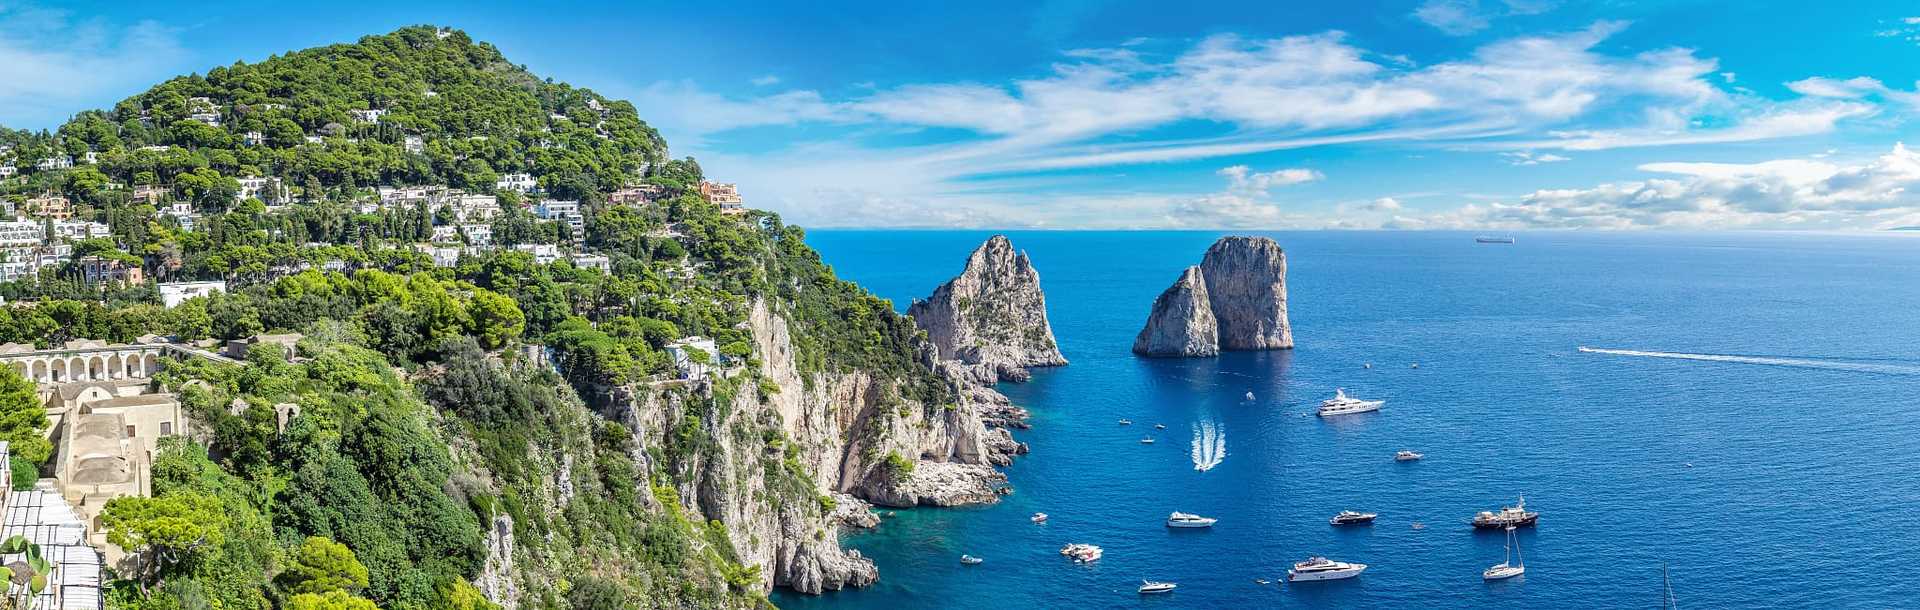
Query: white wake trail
1837,365
1209,445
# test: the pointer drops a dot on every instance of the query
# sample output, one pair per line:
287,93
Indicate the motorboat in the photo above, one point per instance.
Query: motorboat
1126,422
1159,426
1185,520
1516,515
1146,440
1352,517
1039,517
1492,240
1249,396
1321,568
1342,404
1082,553
1513,565
1149,586
970,560
1408,456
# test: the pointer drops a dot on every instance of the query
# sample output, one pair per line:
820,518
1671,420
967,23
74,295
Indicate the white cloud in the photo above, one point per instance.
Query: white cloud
766,81
1780,194
1528,157
1243,180
51,62
1463,17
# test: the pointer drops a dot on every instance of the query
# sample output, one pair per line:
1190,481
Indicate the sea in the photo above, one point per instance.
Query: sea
1747,435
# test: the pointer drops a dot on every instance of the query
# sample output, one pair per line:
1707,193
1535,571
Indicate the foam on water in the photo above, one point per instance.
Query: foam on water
1835,364
1209,445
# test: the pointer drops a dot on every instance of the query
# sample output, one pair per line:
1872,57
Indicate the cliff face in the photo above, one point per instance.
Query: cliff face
791,460
992,317
1235,299
1182,322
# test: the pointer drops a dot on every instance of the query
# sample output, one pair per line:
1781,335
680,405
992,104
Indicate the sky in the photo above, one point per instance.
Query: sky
1088,114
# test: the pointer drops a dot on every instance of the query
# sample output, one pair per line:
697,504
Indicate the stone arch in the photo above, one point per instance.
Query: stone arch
76,369
149,365
115,368
97,368
59,371
40,373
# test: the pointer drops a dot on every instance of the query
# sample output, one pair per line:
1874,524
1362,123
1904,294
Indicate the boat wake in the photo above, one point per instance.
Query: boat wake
1807,363
1209,445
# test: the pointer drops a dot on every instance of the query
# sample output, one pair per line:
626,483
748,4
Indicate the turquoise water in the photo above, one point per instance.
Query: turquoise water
1800,426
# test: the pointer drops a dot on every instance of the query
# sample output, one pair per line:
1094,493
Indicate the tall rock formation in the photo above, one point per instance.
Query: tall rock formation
1235,299
993,317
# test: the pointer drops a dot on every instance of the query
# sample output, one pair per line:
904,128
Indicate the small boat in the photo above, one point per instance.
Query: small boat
1408,456
1082,553
1367,365
1513,565
1321,568
1249,395
1146,440
1516,515
970,560
1351,517
1419,526
1185,520
1492,240
1126,422
1149,587
1416,365
1159,426
1262,581
1342,404
1039,517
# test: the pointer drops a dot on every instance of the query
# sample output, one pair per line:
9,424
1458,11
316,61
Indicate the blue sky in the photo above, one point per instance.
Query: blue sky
1482,114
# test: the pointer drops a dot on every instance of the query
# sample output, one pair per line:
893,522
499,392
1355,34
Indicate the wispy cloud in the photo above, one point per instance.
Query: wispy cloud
1463,17
1528,157
52,62
766,81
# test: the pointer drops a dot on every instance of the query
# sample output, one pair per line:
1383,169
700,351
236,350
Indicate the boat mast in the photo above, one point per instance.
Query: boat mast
1666,594
1513,538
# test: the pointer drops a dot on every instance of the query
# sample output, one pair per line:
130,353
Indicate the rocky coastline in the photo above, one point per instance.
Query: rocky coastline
1235,299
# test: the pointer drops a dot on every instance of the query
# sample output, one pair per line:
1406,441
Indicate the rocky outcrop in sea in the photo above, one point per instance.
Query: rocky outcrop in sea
992,317
1235,299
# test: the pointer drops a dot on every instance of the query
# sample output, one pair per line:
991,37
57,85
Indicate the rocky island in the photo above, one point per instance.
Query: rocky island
1235,299
992,318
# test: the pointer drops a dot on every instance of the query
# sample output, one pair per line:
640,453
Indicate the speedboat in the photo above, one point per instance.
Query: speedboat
970,560
1408,456
1515,516
1514,565
1180,519
1351,517
1492,240
1249,396
1159,426
1082,553
1126,422
1321,568
1148,586
1039,517
1146,440
1342,404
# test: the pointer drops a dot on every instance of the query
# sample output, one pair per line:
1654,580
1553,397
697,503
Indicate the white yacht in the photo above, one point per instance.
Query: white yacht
1039,517
1082,553
1321,568
1180,519
970,560
1342,404
1514,565
1148,586
1408,456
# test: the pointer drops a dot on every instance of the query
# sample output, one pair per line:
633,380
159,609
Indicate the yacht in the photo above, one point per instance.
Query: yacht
1159,426
1514,565
1342,404
1492,240
1352,517
1249,396
1516,515
970,560
1180,519
1146,440
1039,517
1082,553
1126,422
1148,586
1408,456
1321,568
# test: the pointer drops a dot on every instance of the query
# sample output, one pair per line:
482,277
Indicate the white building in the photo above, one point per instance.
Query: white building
690,364
266,190
542,253
8,170
54,162
367,116
414,144
79,229
254,138
22,233
469,207
593,261
181,212
175,293
517,182
445,234
478,234
566,211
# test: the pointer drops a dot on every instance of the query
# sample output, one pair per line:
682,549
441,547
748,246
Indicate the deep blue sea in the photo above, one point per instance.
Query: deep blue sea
1774,466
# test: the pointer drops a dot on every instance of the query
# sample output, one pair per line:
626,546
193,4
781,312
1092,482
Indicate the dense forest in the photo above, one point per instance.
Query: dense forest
424,421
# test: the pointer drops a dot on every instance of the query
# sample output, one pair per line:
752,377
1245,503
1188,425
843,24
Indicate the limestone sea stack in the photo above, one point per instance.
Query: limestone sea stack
1235,299
993,317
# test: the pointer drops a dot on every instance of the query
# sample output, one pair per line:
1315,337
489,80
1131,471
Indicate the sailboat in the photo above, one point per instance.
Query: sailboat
1514,565
1667,600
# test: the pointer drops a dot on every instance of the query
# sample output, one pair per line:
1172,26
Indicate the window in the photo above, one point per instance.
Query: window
166,428
130,433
